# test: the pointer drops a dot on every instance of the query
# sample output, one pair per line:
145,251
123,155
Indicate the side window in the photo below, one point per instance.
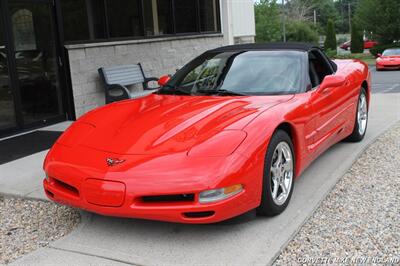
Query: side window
318,68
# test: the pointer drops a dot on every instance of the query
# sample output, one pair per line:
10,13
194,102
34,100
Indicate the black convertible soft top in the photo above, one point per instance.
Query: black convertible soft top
268,46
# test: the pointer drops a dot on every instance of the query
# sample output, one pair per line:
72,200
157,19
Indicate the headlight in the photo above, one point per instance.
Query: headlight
76,133
212,147
47,177
219,194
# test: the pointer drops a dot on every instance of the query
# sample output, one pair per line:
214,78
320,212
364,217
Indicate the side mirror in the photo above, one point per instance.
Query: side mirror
163,80
332,81
379,55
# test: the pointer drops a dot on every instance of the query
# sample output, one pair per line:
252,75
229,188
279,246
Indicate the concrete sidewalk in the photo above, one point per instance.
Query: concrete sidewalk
246,240
23,177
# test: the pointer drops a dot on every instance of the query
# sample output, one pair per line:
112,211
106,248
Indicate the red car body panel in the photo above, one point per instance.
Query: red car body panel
174,145
388,62
368,44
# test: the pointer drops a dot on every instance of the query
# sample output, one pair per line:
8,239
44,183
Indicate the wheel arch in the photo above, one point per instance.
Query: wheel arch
294,136
364,85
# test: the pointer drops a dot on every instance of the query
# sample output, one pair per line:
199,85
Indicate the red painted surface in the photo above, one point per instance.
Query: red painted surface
388,62
171,144
368,44
163,80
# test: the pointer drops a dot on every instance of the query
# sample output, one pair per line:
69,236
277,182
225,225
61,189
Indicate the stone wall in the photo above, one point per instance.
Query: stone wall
157,56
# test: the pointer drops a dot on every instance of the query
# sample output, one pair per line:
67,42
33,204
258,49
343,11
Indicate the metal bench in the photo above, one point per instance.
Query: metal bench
117,78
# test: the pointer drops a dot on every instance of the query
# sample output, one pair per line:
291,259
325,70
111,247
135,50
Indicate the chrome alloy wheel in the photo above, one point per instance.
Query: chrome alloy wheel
281,173
362,114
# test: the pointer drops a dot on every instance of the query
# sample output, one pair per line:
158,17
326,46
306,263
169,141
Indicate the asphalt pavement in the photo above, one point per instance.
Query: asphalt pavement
387,81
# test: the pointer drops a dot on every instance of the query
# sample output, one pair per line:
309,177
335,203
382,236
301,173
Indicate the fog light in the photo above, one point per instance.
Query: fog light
219,194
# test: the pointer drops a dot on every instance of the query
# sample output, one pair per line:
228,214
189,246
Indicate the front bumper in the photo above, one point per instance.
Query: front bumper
107,203
381,66
80,177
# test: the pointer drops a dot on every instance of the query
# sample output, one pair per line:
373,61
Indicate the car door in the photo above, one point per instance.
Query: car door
327,104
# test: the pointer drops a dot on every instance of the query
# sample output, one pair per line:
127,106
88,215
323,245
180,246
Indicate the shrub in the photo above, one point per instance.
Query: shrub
298,31
357,42
330,41
378,49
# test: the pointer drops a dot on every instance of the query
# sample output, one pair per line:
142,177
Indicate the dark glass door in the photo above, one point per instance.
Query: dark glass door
30,91
36,60
7,108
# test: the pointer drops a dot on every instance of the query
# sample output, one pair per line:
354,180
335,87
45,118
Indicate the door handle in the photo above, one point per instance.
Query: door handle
2,47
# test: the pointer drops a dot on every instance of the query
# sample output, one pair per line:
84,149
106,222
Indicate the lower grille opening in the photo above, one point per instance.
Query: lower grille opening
50,194
169,198
199,214
66,187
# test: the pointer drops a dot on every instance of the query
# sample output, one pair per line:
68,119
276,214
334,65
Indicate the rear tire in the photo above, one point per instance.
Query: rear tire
278,179
361,119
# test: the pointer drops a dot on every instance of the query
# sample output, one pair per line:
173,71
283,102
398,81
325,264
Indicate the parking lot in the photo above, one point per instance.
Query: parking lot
385,81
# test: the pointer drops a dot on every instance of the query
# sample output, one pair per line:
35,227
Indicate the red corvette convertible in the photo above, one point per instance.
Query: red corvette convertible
228,133
390,59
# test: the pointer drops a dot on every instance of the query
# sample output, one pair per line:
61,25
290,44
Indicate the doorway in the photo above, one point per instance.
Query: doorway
30,84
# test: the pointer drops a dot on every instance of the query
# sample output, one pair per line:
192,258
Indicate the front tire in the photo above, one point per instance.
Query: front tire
278,180
360,126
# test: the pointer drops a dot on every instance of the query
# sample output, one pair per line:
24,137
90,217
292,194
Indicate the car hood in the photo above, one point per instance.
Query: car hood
161,124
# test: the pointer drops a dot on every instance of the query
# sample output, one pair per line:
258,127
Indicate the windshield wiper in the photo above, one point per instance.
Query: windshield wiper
222,92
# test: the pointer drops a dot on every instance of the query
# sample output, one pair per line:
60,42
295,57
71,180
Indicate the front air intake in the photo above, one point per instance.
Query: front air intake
199,214
168,198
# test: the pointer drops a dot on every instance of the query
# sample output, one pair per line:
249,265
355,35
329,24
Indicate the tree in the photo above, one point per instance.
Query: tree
357,42
330,41
299,10
303,10
382,18
342,8
299,31
268,21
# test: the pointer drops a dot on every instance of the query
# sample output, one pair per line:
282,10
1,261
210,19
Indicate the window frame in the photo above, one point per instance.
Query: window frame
325,61
145,36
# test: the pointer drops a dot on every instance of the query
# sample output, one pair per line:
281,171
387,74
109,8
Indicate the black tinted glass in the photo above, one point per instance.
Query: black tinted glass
208,15
165,22
83,20
185,16
105,19
124,19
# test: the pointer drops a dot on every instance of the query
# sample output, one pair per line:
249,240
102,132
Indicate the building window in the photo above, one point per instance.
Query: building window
24,35
185,16
165,18
150,14
208,15
124,18
83,20
100,20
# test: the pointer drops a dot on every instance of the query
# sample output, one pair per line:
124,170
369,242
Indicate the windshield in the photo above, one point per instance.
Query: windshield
239,73
391,52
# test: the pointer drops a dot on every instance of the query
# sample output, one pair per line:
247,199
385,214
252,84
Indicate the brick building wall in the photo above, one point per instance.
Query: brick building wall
158,57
